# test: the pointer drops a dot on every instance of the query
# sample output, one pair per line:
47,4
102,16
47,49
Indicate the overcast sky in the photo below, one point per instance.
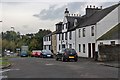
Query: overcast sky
28,16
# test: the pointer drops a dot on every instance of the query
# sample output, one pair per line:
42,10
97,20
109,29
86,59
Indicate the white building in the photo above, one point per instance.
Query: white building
83,33
47,42
98,22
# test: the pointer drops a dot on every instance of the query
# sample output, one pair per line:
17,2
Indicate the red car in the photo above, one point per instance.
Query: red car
36,53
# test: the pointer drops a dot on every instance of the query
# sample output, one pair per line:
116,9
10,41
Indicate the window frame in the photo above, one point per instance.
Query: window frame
84,32
79,47
79,33
70,35
92,31
83,48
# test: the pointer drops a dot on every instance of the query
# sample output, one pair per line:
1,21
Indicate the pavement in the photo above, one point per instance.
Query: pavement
115,64
111,64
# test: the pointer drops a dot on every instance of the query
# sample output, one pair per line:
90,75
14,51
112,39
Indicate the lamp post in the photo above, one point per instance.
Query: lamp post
13,29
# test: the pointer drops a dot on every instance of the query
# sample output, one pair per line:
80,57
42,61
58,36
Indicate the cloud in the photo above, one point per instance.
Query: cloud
51,14
54,12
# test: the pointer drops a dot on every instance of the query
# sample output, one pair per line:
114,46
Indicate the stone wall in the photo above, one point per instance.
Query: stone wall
109,52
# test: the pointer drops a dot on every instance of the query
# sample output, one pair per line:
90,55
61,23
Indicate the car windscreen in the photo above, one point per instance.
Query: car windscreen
68,51
46,51
23,52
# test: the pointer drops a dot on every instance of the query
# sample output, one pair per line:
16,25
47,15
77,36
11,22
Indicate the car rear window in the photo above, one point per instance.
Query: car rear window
68,51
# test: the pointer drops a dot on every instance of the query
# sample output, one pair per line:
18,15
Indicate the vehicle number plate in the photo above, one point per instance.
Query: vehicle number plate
71,56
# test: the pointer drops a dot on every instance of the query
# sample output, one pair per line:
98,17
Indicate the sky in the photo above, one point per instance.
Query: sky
28,16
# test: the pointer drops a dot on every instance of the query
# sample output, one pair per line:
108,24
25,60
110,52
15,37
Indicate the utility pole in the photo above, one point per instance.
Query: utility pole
13,29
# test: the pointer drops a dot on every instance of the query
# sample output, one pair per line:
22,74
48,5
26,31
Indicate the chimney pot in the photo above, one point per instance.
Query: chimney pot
94,6
100,7
90,6
87,6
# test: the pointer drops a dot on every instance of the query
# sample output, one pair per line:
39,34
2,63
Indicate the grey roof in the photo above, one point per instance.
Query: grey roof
48,35
59,28
86,20
112,34
96,17
70,20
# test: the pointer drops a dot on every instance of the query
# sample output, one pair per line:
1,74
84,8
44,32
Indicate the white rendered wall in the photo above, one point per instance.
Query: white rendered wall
107,23
84,40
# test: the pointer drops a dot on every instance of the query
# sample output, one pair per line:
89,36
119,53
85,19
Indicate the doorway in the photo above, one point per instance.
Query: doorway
89,50
93,49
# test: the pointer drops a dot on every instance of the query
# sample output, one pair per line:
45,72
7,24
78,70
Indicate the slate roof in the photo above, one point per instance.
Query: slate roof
48,35
112,34
96,17
70,20
86,20
59,28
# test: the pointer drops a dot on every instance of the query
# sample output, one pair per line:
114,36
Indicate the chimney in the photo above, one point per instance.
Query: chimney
90,11
74,14
90,6
66,12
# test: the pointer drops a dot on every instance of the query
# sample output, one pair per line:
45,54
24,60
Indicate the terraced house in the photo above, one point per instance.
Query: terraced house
85,33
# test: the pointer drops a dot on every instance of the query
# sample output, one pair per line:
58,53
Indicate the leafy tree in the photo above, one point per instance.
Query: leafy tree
12,40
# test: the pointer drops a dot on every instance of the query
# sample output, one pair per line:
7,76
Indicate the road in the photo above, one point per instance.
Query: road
49,68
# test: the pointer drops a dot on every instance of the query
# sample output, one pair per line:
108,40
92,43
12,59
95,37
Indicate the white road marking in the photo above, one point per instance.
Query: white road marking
5,70
2,77
49,64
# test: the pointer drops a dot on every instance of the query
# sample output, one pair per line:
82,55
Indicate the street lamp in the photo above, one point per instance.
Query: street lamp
12,28
13,35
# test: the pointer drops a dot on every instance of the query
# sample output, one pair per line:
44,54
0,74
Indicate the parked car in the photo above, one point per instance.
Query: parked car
67,55
47,54
36,53
24,54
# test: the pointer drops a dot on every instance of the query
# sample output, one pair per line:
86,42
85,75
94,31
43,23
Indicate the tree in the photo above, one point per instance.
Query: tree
12,40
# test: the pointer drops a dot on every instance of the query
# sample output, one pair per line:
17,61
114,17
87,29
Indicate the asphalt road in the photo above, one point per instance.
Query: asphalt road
49,68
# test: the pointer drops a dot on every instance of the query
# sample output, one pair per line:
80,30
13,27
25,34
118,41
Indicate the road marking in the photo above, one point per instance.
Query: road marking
8,70
49,64
2,77
5,70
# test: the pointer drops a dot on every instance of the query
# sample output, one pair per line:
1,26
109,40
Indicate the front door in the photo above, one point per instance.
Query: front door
93,49
89,50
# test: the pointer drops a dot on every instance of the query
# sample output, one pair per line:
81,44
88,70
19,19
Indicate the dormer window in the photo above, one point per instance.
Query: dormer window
63,26
56,28
66,25
75,22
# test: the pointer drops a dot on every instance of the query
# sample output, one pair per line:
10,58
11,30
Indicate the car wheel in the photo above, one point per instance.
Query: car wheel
63,59
76,60
57,59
